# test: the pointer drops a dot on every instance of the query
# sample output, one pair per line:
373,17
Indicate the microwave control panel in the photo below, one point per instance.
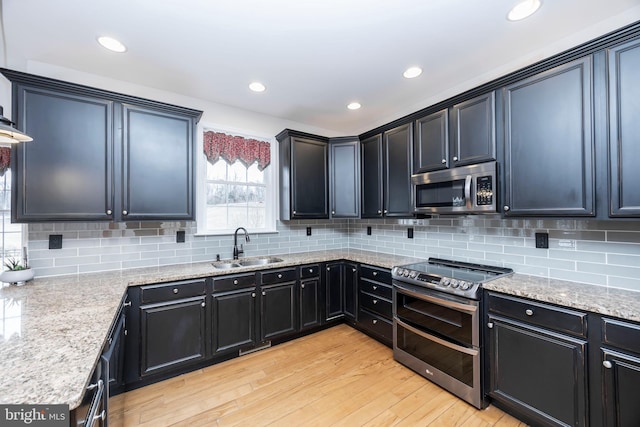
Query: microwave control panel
484,190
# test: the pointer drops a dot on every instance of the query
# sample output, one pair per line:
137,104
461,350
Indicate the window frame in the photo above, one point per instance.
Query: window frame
271,182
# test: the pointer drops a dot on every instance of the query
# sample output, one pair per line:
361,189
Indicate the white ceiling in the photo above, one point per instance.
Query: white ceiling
314,56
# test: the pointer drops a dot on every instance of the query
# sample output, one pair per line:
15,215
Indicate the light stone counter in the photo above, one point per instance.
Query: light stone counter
598,299
53,329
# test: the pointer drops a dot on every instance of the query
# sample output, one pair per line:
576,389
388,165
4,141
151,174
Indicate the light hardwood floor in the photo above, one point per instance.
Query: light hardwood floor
337,377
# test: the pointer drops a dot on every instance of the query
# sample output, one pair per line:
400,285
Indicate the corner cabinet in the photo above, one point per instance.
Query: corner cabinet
99,155
624,140
387,161
549,143
304,176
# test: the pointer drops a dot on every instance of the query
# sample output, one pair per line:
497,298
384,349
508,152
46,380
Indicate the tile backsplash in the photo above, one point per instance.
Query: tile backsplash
605,253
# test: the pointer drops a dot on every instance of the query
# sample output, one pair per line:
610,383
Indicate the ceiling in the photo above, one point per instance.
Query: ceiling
314,56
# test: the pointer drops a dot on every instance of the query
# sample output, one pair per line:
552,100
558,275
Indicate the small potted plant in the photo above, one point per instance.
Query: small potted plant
17,273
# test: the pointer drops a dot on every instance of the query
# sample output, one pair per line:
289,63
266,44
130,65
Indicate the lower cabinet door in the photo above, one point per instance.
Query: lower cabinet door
277,310
234,320
172,334
537,374
310,313
621,381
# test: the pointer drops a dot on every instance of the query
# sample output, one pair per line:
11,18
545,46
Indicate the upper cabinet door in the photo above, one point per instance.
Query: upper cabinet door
157,154
309,189
65,173
344,167
473,134
398,146
549,143
624,141
431,144
372,177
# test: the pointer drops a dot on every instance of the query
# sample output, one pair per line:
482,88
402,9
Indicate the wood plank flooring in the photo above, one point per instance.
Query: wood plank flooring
337,377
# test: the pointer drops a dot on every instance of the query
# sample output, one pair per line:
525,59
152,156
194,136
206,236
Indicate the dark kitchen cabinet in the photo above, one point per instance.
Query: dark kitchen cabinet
431,144
549,143
99,155
624,139
234,313
537,361
334,291
278,304
386,174
116,354
173,328
344,179
350,278
310,297
304,176
473,135
620,367
374,303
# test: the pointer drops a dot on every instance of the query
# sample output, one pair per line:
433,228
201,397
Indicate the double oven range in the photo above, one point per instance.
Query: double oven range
436,322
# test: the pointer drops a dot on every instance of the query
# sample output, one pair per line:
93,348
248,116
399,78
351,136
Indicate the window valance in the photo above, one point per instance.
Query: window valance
5,159
231,148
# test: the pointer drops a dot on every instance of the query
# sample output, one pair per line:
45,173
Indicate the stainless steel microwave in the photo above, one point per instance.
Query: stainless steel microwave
462,190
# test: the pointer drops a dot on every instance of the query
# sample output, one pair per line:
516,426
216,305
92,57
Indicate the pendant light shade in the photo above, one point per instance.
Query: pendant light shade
8,133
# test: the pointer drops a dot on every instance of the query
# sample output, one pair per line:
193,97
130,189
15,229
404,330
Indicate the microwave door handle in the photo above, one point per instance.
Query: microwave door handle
467,191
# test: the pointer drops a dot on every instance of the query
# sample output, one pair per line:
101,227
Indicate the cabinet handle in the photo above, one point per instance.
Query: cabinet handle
127,304
607,364
490,325
375,321
253,294
302,286
375,273
235,282
279,276
506,208
175,290
203,304
264,294
528,312
455,158
375,287
124,212
444,161
109,212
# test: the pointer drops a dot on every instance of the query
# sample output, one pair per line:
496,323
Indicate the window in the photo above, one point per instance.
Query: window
11,233
238,184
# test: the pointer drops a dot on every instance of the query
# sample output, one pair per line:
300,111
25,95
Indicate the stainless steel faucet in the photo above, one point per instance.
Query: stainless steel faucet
237,251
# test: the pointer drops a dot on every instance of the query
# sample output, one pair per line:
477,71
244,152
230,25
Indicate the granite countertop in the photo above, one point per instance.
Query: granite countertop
54,328
598,299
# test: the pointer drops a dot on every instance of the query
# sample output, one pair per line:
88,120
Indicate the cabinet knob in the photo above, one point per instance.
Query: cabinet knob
311,270
328,269
235,282
203,304
333,212
124,212
109,211
455,158
375,287
279,276
506,208
175,290
353,270
444,161
528,312
264,294
385,211
490,325
375,273
375,301
294,212
302,286
253,294
375,321
379,212
607,364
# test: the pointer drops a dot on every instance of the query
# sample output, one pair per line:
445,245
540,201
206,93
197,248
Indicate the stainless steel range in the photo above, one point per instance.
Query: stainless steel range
436,322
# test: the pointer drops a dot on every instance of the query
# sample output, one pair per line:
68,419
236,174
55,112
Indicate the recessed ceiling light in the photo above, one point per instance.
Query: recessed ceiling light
354,106
523,10
412,72
257,87
112,44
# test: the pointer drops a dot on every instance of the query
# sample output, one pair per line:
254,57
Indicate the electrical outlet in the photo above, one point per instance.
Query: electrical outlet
542,240
55,241
368,231
410,232
180,236
308,231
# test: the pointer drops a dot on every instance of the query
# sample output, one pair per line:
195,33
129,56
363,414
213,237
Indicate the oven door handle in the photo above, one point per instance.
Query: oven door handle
471,309
465,350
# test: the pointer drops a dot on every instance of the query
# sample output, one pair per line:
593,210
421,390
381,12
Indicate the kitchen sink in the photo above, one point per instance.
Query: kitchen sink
223,265
259,261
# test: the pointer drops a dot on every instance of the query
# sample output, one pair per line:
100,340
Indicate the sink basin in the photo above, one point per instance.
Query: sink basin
259,261
222,265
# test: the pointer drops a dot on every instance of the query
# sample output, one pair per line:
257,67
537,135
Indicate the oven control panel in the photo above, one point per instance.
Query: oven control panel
445,284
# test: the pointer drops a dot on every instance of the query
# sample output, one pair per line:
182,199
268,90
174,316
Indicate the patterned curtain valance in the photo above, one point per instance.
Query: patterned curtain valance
232,148
5,159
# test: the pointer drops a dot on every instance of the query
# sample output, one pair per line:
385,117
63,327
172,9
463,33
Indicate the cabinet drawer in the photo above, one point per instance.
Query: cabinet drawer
229,283
279,276
377,274
376,304
309,271
172,290
623,335
547,316
376,325
375,288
